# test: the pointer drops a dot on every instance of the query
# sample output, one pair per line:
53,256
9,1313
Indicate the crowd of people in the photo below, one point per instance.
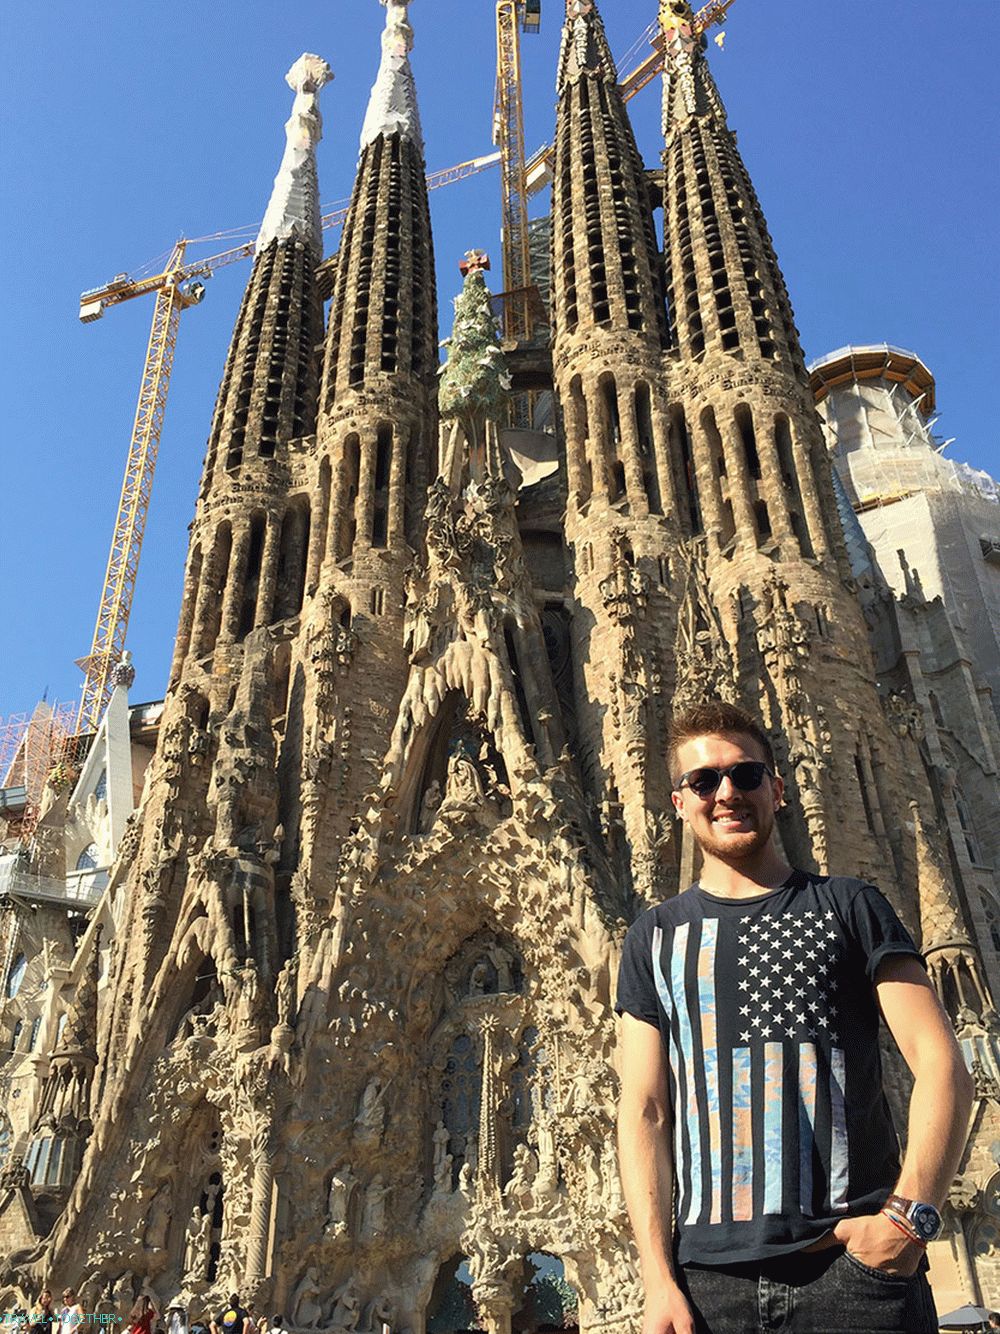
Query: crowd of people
142,1317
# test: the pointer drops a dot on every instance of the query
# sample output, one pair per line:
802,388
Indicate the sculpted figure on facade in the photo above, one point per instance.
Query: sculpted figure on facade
339,1200
409,785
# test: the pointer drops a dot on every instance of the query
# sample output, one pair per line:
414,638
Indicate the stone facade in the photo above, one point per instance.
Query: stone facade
355,1053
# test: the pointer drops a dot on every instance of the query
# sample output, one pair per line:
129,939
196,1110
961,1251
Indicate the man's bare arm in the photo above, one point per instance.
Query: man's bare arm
941,1101
940,1105
645,1156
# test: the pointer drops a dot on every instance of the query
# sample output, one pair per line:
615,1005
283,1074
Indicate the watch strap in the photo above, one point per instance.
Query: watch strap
898,1222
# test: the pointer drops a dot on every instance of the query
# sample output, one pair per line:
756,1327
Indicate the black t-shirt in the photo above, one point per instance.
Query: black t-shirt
231,1319
768,1013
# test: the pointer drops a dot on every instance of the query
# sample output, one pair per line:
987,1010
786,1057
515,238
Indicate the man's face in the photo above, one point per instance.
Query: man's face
730,824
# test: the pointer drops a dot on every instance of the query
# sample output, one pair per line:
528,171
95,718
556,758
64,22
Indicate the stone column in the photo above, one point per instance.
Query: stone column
268,572
739,483
288,602
317,532
628,446
365,503
597,444
269,1099
709,491
495,1304
338,511
488,1162
775,492
808,490
186,625
233,598
661,452
403,434
575,446
207,605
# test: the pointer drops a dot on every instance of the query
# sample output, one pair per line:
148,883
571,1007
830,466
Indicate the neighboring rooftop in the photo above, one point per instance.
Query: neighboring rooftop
873,361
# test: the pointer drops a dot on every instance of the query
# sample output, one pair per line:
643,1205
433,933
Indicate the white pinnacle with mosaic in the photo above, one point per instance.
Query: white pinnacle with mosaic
294,206
392,106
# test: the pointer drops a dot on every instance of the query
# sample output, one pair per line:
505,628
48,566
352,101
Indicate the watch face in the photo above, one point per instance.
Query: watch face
926,1221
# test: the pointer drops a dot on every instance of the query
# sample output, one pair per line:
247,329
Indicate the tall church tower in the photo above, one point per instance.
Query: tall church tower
355,1053
764,518
377,424
626,506
200,891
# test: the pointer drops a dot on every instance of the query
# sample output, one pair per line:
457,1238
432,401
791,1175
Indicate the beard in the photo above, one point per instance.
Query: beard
734,846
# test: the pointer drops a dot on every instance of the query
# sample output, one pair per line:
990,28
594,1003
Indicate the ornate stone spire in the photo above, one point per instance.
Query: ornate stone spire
79,1036
688,86
392,107
585,48
940,920
294,206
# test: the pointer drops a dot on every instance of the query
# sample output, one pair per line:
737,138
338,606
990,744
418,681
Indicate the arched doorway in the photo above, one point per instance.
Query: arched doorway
451,1309
549,1302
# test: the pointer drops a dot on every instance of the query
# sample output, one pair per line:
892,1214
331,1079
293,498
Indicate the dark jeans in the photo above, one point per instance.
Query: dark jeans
824,1292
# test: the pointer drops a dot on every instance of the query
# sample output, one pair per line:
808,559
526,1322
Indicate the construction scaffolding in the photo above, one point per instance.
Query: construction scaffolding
31,746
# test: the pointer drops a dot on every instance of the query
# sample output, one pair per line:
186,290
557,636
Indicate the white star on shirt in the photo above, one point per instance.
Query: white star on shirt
744,1037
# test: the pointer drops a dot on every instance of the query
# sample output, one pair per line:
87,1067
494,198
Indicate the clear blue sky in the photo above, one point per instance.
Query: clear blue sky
870,130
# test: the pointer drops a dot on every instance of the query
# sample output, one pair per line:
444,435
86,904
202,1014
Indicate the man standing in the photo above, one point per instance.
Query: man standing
232,1320
758,1158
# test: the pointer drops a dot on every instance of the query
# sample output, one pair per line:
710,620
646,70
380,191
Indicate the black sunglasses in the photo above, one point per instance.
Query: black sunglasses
745,776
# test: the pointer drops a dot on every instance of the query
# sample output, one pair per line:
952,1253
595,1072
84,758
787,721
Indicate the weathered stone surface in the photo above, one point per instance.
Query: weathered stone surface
410,786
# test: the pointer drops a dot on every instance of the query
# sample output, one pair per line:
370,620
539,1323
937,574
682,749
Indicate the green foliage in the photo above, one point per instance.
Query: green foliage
554,1301
457,1310
475,379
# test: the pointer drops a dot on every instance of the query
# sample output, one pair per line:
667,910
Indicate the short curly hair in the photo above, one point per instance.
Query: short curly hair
714,717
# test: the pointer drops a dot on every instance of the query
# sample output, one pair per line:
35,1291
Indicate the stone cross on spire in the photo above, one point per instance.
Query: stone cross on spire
392,107
294,206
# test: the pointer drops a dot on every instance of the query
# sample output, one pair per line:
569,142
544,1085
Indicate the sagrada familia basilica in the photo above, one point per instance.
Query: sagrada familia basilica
338,1033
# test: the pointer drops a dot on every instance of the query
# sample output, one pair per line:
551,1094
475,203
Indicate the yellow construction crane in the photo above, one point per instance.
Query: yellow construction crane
178,286
513,17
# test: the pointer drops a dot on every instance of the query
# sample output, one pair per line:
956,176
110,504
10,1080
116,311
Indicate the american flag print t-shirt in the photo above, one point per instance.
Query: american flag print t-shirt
768,1013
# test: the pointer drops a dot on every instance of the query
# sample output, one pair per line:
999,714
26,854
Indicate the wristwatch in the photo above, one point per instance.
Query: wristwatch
921,1220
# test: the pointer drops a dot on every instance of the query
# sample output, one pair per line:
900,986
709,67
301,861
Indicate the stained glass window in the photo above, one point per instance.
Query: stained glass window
16,975
461,1089
87,859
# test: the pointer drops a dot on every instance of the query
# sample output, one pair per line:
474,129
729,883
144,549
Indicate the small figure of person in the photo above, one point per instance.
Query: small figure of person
42,1316
232,1319
142,1316
70,1313
253,1320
